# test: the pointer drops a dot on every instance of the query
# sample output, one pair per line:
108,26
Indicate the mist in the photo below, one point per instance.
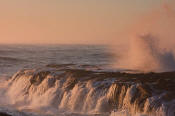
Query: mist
144,54
150,42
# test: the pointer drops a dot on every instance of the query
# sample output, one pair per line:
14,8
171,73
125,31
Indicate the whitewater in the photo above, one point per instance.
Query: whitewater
136,78
80,80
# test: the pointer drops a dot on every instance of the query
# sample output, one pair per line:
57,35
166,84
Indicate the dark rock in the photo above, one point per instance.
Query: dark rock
4,114
39,77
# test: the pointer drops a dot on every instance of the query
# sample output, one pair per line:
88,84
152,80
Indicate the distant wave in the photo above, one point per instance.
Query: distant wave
7,51
4,58
88,90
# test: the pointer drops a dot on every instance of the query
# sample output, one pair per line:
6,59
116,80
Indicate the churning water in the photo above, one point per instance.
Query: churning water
73,80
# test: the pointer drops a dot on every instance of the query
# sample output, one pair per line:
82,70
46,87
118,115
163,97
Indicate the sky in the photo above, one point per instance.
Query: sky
70,21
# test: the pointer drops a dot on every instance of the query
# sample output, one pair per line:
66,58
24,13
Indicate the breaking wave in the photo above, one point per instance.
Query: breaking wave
10,59
64,89
145,55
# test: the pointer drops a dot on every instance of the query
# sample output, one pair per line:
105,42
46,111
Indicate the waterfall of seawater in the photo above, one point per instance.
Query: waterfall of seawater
58,90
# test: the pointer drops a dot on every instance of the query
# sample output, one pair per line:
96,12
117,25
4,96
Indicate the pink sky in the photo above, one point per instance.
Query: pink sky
70,22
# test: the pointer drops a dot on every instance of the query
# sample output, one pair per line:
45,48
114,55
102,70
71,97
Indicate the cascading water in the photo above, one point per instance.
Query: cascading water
70,90
64,90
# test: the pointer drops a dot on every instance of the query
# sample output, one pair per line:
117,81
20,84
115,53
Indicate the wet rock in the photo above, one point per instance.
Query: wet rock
39,77
4,114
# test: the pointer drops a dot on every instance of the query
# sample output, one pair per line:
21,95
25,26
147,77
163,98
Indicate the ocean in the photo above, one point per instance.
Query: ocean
16,57
78,80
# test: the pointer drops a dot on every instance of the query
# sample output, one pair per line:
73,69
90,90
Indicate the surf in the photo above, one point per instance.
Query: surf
65,90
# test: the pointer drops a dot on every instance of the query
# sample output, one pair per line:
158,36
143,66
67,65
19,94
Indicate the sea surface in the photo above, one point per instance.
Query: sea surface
78,80
16,57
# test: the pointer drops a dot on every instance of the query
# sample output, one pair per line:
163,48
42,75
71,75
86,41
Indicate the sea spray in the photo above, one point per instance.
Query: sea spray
150,42
145,55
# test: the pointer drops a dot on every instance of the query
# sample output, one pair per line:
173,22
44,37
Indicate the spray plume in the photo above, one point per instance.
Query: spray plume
145,55
145,51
